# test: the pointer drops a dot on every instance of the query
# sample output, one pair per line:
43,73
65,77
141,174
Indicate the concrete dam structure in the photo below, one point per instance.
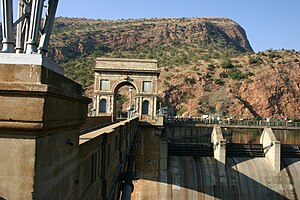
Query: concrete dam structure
50,149
197,175
199,178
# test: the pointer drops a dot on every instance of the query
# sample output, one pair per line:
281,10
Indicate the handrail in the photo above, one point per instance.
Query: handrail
262,123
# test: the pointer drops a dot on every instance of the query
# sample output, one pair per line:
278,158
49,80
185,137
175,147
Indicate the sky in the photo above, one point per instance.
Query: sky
269,24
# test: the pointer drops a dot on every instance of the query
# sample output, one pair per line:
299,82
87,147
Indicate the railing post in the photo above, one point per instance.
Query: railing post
7,26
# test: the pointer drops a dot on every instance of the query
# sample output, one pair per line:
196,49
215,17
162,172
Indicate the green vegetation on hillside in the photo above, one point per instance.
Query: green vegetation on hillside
173,42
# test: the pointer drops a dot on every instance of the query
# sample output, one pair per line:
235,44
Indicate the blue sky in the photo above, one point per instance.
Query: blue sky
269,24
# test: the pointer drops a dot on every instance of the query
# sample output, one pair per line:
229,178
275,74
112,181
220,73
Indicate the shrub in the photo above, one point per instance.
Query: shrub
181,111
226,64
190,80
206,57
249,74
168,77
255,60
219,82
237,74
223,75
211,67
273,54
195,68
200,111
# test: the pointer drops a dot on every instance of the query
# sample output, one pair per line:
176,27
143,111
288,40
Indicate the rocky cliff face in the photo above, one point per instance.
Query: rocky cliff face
255,85
274,92
73,37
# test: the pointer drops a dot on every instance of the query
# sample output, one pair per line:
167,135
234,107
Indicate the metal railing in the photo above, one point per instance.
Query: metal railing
198,120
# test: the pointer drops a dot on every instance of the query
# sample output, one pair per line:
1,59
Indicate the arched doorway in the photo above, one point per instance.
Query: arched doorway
124,99
102,105
145,107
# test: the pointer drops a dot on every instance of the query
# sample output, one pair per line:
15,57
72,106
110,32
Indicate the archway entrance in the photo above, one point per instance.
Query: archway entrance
125,100
112,75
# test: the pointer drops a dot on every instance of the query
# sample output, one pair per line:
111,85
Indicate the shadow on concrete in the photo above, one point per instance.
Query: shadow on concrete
202,178
238,160
286,162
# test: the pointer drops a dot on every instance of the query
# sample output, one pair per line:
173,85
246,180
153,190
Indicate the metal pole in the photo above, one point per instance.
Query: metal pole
7,26
25,27
34,27
48,23
127,178
20,35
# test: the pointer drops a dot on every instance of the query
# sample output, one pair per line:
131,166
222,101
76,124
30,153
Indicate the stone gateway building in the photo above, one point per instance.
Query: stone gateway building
113,73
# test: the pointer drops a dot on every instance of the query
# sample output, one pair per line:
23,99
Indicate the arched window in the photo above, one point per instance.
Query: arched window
145,107
102,106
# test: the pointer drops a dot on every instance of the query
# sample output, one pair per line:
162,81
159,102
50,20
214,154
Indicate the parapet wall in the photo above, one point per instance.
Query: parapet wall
102,155
43,155
95,122
41,113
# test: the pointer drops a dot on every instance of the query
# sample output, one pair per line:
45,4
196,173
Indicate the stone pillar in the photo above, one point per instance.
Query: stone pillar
41,113
137,106
7,26
97,105
151,108
94,104
111,104
154,107
141,104
114,107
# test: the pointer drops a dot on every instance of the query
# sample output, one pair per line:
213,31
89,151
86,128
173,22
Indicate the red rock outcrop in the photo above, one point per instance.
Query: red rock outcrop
274,92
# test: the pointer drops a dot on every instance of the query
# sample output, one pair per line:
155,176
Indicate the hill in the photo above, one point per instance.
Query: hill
175,42
250,85
207,64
